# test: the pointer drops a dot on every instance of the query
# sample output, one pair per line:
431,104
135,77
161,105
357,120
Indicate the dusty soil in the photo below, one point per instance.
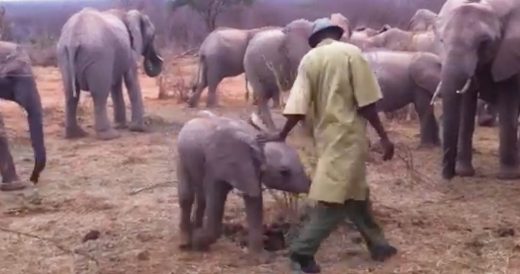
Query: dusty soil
92,213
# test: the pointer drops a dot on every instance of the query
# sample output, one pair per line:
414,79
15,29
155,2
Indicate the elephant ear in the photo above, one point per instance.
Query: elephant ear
426,71
507,59
14,60
134,23
234,156
342,21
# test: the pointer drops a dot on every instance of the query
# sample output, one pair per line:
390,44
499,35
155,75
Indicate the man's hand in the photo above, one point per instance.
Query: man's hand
270,137
292,120
388,149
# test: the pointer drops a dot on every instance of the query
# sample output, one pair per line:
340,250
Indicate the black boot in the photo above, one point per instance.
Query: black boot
382,252
305,263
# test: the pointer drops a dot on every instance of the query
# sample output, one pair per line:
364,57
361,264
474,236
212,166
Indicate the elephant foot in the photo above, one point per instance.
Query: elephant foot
108,134
75,133
185,243
381,253
213,105
13,186
508,173
428,145
192,103
465,170
201,240
120,125
260,257
138,127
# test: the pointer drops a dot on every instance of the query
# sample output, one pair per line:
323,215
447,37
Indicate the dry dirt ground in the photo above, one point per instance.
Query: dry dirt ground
463,226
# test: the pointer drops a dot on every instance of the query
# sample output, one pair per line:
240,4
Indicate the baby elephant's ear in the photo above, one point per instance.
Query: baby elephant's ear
232,157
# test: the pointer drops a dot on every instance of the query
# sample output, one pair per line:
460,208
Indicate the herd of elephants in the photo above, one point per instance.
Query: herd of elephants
467,54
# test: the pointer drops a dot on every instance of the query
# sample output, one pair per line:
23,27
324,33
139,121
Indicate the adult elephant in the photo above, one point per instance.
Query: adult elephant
221,55
336,18
96,52
17,84
408,77
367,13
481,45
271,62
422,20
399,40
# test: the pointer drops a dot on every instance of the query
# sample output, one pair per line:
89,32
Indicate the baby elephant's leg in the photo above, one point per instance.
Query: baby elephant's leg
216,195
186,197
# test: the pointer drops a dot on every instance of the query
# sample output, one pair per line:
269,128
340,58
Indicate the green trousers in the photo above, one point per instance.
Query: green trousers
325,218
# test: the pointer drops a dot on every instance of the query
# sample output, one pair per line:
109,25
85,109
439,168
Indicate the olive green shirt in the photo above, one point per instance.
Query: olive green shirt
333,81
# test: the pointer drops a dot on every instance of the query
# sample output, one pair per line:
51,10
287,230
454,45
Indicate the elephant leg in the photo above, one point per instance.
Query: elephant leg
186,198
119,105
265,113
72,129
201,207
7,168
212,101
136,100
254,215
464,166
212,229
429,126
508,113
104,130
486,115
197,90
276,100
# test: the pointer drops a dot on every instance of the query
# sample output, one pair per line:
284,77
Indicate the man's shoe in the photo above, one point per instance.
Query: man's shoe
382,252
304,263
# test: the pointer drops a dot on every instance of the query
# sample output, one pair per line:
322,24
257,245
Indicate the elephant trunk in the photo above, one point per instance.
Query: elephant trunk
33,107
153,61
453,81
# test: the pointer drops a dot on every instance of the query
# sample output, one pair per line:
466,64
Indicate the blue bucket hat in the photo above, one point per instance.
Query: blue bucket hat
322,25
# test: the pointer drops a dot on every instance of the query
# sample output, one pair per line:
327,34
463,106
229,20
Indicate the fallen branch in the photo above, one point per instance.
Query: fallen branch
51,241
405,154
141,189
184,53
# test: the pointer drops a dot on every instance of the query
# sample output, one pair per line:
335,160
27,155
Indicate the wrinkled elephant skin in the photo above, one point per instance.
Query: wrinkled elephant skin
98,52
218,154
408,77
478,40
17,84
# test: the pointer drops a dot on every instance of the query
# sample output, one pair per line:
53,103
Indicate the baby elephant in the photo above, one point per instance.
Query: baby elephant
217,154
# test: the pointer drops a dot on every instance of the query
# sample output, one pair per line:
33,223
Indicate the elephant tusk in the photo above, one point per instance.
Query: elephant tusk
436,93
465,88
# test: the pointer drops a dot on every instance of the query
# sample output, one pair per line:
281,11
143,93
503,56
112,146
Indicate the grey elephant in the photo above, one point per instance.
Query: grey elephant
481,47
17,84
400,40
221,55
271,61
422,20
408,77
97,52
285,80
217,154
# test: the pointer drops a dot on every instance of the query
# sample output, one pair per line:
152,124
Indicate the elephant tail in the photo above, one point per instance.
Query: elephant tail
247,90
71,54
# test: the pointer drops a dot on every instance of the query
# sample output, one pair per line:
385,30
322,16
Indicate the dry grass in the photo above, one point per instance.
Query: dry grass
126,190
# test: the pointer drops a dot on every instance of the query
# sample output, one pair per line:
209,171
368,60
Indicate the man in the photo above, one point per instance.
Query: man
337,90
